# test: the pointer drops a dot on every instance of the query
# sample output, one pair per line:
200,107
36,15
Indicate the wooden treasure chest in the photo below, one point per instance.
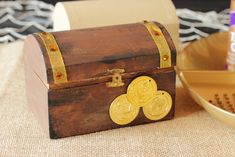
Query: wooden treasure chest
89,80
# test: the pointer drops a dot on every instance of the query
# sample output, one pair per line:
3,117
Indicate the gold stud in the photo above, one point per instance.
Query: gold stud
165,57
53,47
156,31
59,75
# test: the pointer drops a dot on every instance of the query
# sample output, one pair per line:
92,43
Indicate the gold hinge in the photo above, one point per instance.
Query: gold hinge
116,78
55,56
162,45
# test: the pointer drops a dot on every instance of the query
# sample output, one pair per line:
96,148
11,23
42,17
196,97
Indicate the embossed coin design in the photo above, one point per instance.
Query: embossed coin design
142,91
121,111
159,107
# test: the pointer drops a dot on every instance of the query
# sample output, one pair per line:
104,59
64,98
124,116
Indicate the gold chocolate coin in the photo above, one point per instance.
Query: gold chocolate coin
142,91
159,107
121,111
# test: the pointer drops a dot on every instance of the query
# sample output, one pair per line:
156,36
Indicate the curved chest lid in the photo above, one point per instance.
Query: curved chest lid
77,57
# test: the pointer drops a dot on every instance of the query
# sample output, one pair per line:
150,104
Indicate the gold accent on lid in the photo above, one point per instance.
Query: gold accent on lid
162,45
55,56
159,107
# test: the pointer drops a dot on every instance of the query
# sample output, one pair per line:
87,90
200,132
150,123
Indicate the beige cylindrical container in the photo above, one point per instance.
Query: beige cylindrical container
96,13
231,49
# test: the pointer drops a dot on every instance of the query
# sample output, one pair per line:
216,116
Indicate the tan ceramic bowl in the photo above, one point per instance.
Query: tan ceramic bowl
201,68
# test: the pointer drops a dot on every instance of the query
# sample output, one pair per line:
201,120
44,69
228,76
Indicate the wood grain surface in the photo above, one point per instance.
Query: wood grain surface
85,109
89,53
81,105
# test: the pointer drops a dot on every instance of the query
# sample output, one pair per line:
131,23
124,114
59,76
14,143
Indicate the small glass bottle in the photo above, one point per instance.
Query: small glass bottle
231,50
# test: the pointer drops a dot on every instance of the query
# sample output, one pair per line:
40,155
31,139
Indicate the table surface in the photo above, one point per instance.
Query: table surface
193,132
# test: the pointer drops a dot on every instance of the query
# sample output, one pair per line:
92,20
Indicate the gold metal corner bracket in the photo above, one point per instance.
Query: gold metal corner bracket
55,57
161,43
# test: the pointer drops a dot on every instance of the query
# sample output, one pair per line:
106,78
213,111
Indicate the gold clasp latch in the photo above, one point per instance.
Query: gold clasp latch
116,78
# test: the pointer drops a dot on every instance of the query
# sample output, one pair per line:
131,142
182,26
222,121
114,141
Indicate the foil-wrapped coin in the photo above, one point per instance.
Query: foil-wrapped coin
121,111
142,91
159,107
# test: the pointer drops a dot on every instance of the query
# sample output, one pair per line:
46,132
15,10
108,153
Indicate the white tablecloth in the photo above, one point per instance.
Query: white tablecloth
191,133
